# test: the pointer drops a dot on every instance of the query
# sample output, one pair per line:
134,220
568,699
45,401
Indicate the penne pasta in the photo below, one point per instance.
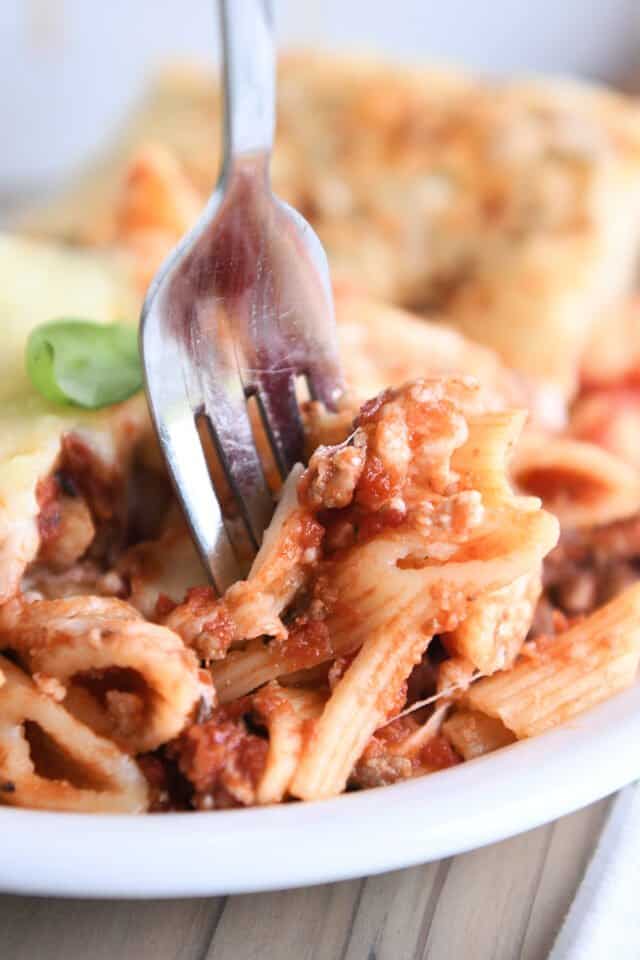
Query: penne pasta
128,679
473,734
414,601
483,458
435,593
358,705
581,483
414,587
407,579
491,635
581,667
79,771
251,608
287,713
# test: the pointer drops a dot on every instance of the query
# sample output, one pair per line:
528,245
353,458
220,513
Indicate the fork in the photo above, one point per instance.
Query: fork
242,307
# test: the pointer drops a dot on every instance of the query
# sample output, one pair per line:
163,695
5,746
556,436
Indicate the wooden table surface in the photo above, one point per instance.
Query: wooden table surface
503,902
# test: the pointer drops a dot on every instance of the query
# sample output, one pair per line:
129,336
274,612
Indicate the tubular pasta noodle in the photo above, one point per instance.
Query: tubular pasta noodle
397,597
394,572
473,734
390,645
491,636
286,712
252,607
168,566
243,670
582,484
575,670
356,708
66,639
114,784
281,567
482,459
419,595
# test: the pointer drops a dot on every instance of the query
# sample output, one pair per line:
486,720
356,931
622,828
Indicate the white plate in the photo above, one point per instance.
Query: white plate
240,851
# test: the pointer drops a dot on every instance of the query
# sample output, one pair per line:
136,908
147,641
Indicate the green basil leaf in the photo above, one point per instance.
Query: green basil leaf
86,364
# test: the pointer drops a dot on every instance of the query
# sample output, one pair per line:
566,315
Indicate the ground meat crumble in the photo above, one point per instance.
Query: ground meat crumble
221,759
590,567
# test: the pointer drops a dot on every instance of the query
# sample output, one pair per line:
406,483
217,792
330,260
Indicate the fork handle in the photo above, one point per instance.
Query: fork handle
249,77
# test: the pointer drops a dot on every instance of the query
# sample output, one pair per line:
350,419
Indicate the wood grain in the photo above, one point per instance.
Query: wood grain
503,902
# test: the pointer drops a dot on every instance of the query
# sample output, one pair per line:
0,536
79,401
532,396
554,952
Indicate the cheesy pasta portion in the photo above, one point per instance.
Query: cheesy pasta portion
455,565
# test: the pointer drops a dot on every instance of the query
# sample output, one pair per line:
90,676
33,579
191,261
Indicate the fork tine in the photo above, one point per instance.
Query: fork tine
190,474
317,352
325,378
325,384
276,394
230,428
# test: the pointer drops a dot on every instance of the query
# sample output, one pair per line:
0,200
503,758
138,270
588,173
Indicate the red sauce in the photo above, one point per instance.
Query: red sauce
221,759
340,531
439,754
371,524
204,618
154,770
356,524
200,599
308,643
397,730
311,533
375,486
164,606
220,630
370,409
100,485
168,790
48,497
203,602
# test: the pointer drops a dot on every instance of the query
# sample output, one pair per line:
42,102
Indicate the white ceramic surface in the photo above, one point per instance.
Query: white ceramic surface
242,851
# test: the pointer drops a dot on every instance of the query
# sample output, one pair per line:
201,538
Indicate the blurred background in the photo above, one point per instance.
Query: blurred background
71,68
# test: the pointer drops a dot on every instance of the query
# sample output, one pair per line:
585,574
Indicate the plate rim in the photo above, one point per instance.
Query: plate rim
291,845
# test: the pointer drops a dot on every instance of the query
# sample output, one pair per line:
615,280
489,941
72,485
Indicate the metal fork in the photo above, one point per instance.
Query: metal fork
242,307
